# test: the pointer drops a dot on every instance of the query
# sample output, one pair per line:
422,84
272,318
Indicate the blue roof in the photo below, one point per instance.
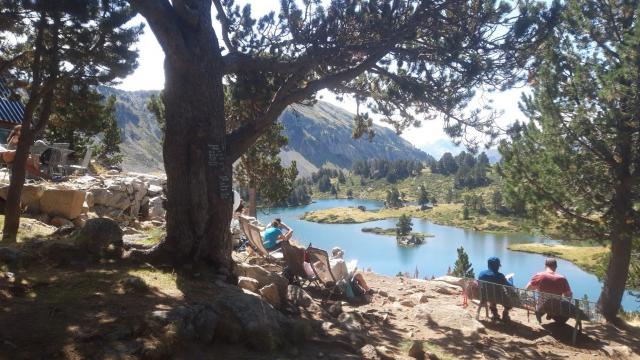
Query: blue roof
11,111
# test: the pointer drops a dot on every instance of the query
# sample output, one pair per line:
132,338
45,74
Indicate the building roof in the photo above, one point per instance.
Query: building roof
11,111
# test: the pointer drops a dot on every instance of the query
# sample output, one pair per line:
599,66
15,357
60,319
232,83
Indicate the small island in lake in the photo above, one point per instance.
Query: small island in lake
391,232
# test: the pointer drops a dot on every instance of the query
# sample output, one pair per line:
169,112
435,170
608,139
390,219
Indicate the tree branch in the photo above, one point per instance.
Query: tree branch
162,19
243,137
224,22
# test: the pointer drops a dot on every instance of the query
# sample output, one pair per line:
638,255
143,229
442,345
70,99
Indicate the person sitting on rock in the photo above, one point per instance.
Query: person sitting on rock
341,271
549,281
493,275
273,237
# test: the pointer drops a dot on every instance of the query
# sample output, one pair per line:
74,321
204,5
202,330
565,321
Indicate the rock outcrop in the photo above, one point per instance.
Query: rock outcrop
125,198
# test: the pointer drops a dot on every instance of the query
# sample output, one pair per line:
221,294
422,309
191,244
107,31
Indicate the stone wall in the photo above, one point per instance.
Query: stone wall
125,198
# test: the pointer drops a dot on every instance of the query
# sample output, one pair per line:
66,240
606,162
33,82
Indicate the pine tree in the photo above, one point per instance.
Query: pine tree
349,194
450,196
341,178
109,152
578,158
393,199
496,200
404,226
462,267
58,46
465,212
79,113
423,196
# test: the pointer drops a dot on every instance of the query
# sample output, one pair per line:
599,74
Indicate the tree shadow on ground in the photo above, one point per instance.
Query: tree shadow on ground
462,346
80,312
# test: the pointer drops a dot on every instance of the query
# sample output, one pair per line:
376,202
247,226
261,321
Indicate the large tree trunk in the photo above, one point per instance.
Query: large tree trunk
199,173
621,246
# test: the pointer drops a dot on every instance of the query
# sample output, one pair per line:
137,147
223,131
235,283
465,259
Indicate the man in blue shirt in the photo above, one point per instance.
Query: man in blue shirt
497,293
273,237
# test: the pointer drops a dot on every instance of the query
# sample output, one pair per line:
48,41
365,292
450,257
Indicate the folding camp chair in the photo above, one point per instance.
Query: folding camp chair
294,262
255,239
319,260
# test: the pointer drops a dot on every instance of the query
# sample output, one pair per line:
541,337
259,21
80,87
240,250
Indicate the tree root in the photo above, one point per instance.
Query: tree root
159,254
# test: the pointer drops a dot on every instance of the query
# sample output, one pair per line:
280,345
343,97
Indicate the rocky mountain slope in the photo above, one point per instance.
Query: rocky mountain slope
321,134
318,135
141,135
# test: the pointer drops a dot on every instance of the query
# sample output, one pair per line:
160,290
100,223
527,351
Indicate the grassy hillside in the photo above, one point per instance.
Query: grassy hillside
589,258
436,184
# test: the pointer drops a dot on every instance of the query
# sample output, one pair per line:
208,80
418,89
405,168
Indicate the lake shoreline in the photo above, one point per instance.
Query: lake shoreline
444,214
588,258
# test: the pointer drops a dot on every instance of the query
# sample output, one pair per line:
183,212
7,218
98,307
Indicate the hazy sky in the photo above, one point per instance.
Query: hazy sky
150,76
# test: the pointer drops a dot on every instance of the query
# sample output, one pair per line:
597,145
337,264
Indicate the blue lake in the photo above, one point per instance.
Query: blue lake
382,255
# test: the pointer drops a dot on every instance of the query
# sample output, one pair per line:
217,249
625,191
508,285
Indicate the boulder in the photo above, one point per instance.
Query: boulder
133,283
59,221
62,202
263,276
453,280
98,234
419,298
247,318
248,283
349,321
368,352
270,294
156,210
90,199
407,302
448,317
446,288
30,197
114,198
154,190
384,352
298,297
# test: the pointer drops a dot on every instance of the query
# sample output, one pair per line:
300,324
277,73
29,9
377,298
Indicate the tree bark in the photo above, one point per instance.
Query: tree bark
16,183
618,268
622,227
199,172
252,201
39,97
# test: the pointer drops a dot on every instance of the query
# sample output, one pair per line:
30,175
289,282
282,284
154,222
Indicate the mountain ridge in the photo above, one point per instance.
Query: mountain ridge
320,134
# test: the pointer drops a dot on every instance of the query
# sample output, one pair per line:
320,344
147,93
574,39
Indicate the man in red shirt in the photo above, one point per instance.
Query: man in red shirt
548,281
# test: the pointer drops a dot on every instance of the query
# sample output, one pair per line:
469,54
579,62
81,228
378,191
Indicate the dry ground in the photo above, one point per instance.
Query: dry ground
96,311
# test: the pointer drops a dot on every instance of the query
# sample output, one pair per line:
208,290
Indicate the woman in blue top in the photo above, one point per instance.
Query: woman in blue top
273,237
